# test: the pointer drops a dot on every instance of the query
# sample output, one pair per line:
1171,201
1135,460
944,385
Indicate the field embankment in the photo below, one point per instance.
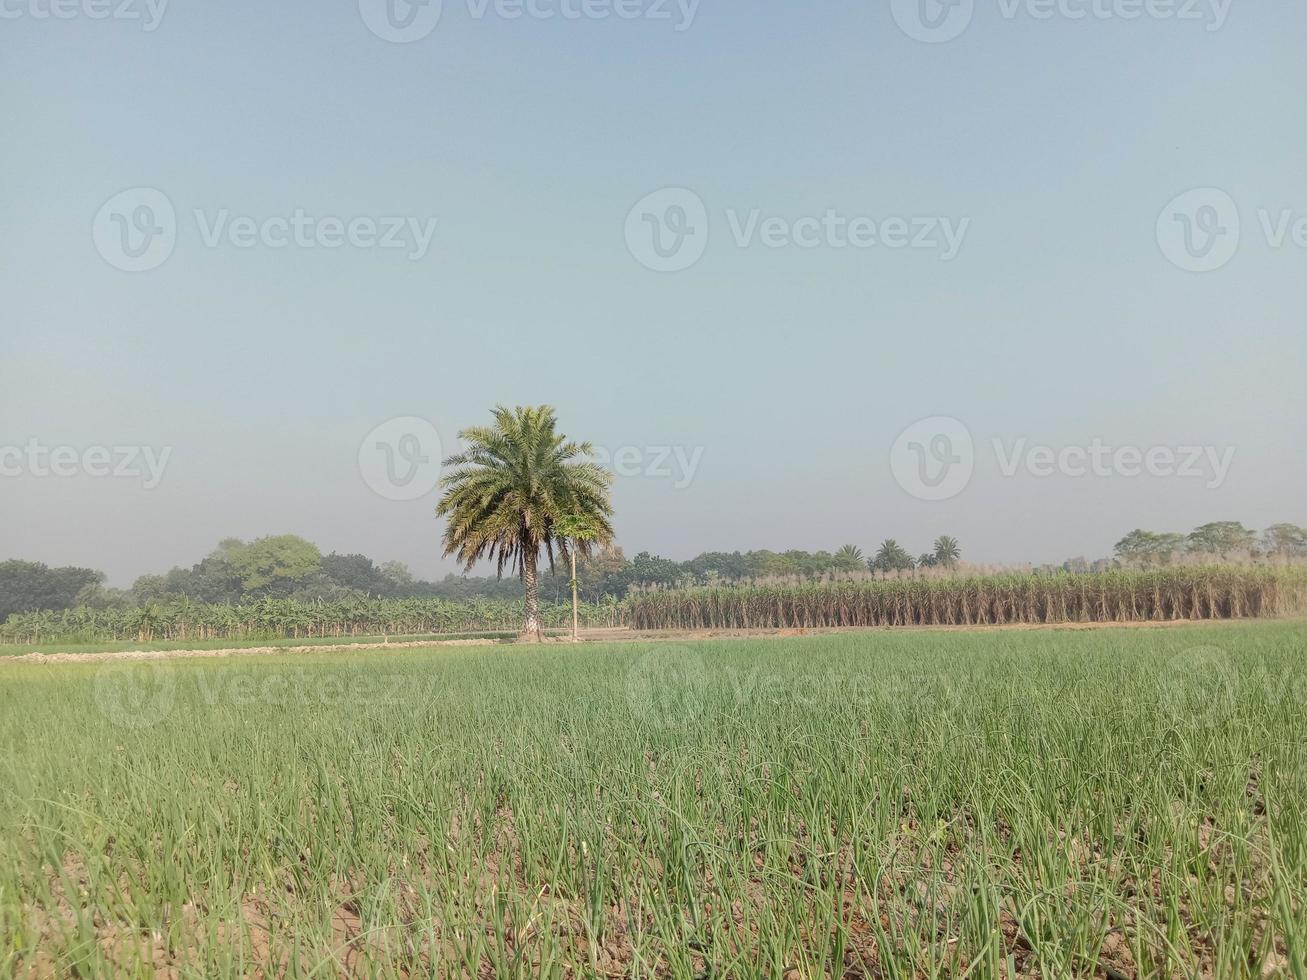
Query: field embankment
184,623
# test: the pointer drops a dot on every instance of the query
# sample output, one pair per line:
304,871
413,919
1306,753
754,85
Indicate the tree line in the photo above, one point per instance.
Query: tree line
1220,539
290,567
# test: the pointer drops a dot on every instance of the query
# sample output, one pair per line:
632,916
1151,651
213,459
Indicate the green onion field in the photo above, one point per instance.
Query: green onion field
1018,803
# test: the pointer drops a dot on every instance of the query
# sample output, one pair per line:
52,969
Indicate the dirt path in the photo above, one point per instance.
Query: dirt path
620,634
56,658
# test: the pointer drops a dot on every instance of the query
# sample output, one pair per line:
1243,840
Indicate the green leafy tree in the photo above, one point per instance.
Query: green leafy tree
1287,540
601,573
358,573
647,569
508,489
100,596
946,551
399,575
1221,538
272,565
1167,545
1141,547
1135,547
578,534
713,565
26,586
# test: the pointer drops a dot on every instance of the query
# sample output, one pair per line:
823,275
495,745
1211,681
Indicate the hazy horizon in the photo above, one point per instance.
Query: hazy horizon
807,279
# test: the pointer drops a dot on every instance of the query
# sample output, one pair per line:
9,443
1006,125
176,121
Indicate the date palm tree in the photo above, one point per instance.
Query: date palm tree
508,489
848,558
947,551
891,558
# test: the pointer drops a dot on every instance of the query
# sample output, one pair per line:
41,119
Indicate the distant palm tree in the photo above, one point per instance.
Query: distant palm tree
508,490
891,557
947,551
848,558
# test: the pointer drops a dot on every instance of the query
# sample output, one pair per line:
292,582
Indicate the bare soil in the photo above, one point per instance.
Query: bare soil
54,658
619,634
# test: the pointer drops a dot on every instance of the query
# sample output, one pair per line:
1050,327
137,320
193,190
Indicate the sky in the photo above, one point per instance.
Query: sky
1025,272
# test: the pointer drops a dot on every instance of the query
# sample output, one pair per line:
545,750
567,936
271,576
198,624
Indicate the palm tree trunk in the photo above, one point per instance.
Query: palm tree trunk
531,631
576,630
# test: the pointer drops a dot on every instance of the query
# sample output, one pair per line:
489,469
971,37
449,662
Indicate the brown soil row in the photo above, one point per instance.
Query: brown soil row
54,658
597,635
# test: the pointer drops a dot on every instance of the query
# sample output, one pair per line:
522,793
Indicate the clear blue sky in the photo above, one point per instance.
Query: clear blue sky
1060,320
